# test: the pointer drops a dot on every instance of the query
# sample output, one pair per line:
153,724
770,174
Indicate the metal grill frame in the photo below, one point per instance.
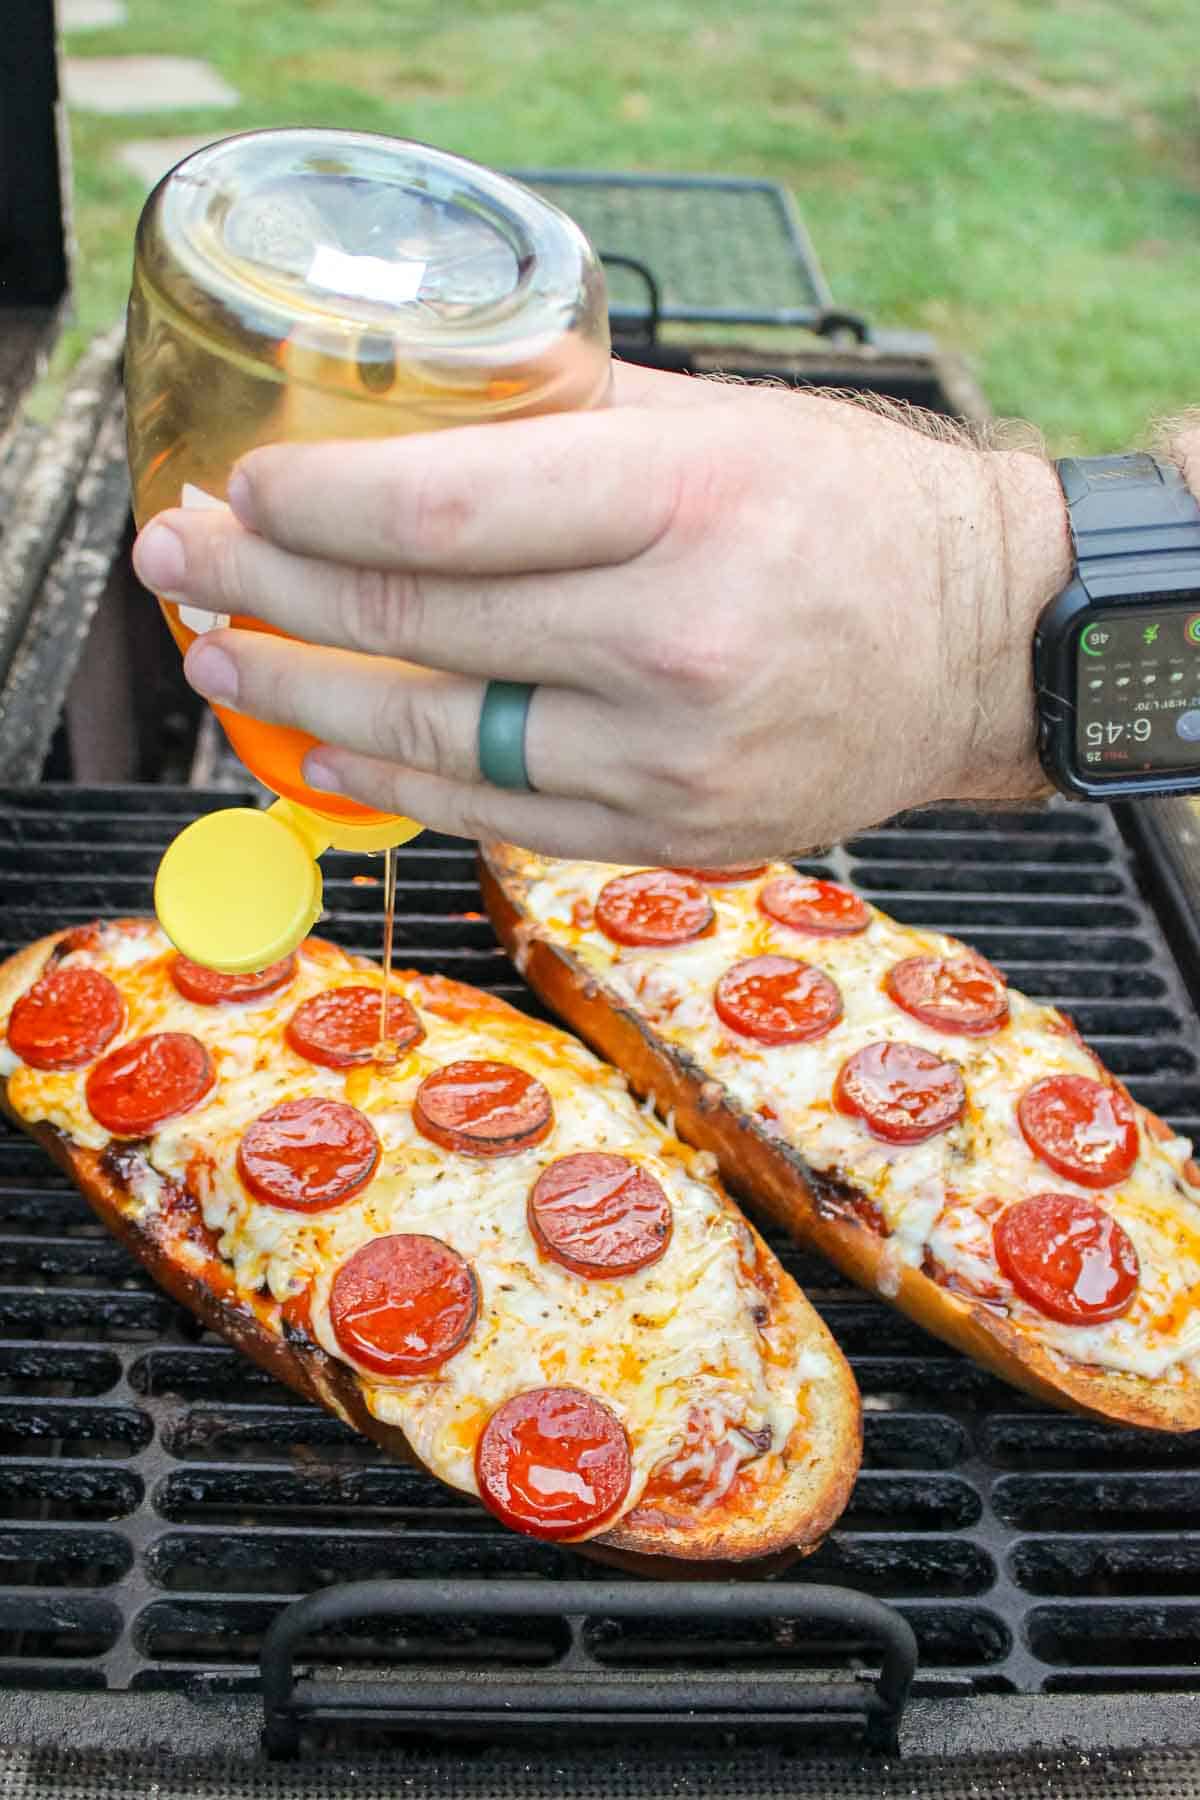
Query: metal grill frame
682,218
972,1463
34,265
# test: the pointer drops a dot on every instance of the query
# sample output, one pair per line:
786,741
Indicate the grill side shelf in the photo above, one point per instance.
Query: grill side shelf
579,1688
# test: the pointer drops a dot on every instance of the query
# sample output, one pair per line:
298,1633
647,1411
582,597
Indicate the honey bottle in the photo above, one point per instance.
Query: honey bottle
298,285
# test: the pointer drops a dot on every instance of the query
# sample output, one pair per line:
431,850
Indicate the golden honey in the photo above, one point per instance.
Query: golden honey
292,286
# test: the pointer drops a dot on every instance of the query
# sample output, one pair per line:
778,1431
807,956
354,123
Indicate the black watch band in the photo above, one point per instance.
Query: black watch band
1135,525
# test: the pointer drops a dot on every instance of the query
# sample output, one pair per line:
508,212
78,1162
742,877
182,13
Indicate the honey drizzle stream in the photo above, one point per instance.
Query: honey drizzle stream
386,1051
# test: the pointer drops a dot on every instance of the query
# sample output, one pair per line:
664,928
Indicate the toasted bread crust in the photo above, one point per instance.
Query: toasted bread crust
774,1174
800,1507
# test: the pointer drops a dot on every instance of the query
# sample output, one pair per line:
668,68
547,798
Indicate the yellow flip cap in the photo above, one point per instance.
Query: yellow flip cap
240,888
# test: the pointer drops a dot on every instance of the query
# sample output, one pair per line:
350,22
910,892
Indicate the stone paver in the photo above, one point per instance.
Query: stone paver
136,84
150,158
90,15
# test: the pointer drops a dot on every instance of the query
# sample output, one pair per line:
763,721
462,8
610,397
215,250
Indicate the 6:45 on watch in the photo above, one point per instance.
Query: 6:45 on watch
1117,652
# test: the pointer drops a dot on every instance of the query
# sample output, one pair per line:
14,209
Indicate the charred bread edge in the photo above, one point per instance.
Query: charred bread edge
294,1358
774,1174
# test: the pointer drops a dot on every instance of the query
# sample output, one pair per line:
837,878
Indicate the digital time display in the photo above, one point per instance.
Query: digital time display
1137,691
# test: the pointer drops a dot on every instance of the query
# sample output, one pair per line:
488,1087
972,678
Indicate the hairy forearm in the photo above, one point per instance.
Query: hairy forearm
1002,551
1031,559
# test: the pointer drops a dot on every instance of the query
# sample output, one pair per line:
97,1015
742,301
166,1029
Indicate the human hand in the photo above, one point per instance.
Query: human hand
757,620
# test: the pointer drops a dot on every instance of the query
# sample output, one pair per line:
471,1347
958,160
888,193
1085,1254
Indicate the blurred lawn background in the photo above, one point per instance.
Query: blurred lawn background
1019,177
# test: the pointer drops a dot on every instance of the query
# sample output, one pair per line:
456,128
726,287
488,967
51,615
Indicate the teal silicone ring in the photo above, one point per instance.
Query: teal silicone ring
502,734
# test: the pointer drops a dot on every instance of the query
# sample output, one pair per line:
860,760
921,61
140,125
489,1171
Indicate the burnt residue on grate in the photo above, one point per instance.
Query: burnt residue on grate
160,1499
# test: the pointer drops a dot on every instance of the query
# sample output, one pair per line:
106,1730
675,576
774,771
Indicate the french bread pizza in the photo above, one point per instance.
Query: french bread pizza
883,1094
465,1239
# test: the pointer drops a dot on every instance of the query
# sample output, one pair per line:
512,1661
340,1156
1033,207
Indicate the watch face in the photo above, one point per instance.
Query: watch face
1137,689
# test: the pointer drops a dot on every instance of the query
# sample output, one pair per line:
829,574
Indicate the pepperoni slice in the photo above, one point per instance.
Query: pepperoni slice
142,1084
483,1109
340,1027
553,1462
208,987
403,1305
1068,1257
308,1154
727,876
66,1018
821,908
903,1094
958,994
1085,1130
653,906
599,1214
778,1000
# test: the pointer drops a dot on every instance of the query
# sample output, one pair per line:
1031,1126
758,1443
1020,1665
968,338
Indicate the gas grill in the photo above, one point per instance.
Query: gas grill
200,1575
164,1502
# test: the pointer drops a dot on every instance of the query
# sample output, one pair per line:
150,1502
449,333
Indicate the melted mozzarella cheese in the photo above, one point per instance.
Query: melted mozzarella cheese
654,1345
926,1192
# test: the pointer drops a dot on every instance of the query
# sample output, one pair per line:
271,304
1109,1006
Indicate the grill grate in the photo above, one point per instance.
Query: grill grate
160,1500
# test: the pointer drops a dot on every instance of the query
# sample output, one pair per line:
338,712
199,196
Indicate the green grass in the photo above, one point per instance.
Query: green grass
1019,177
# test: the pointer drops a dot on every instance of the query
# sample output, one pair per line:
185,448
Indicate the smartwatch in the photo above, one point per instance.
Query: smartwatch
1117,653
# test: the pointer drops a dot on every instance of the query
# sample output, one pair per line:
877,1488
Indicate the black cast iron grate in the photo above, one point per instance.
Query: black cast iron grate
160,1500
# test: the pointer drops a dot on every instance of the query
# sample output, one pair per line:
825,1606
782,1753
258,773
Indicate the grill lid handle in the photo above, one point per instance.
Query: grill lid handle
580,1690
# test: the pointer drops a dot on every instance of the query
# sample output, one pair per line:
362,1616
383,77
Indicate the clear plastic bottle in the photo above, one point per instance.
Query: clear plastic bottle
311,284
